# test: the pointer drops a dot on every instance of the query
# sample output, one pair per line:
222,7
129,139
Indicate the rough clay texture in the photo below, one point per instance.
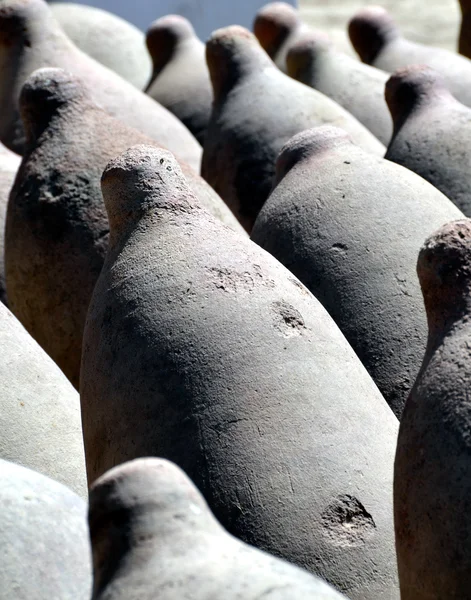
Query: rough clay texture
57,228
39,410
9,163
357,87
257,109
153,536
107,38
43,536
432,132
180,79
350,225
30,38
432,485
223,362
464,40
277,27
378,41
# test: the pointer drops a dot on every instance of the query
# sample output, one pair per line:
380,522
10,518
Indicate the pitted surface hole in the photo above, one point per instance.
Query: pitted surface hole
347,522
288,320
233,281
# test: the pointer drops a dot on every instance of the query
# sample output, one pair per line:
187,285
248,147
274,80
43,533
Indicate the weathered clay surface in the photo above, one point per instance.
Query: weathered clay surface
357,87
432,484
30,38
39,410
350,225
57,228
147,514
378,41
256,110
277,27
112,41
180,79
201,348
9,163
464,41
432,132
43,536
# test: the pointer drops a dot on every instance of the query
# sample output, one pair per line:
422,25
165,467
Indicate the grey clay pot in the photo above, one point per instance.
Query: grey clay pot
349,225
110,40
43,536
359,88
256,110
154,536
432,480
432,132
31,38
201,348
277,26
39,410
378,41
57,228
180,78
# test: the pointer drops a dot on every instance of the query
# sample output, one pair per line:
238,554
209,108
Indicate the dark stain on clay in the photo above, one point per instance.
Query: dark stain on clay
288,321
347,522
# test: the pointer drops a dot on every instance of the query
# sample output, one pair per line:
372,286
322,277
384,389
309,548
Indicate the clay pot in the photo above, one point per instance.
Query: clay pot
30,38
180,78
277,27
359,88
39,410
44,537
9,163
256,110
147,513
378,41
349,225
201,348
432,476
112,41
57,227
431,132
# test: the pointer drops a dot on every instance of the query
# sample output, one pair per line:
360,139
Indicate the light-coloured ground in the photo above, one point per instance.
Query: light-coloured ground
434,22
